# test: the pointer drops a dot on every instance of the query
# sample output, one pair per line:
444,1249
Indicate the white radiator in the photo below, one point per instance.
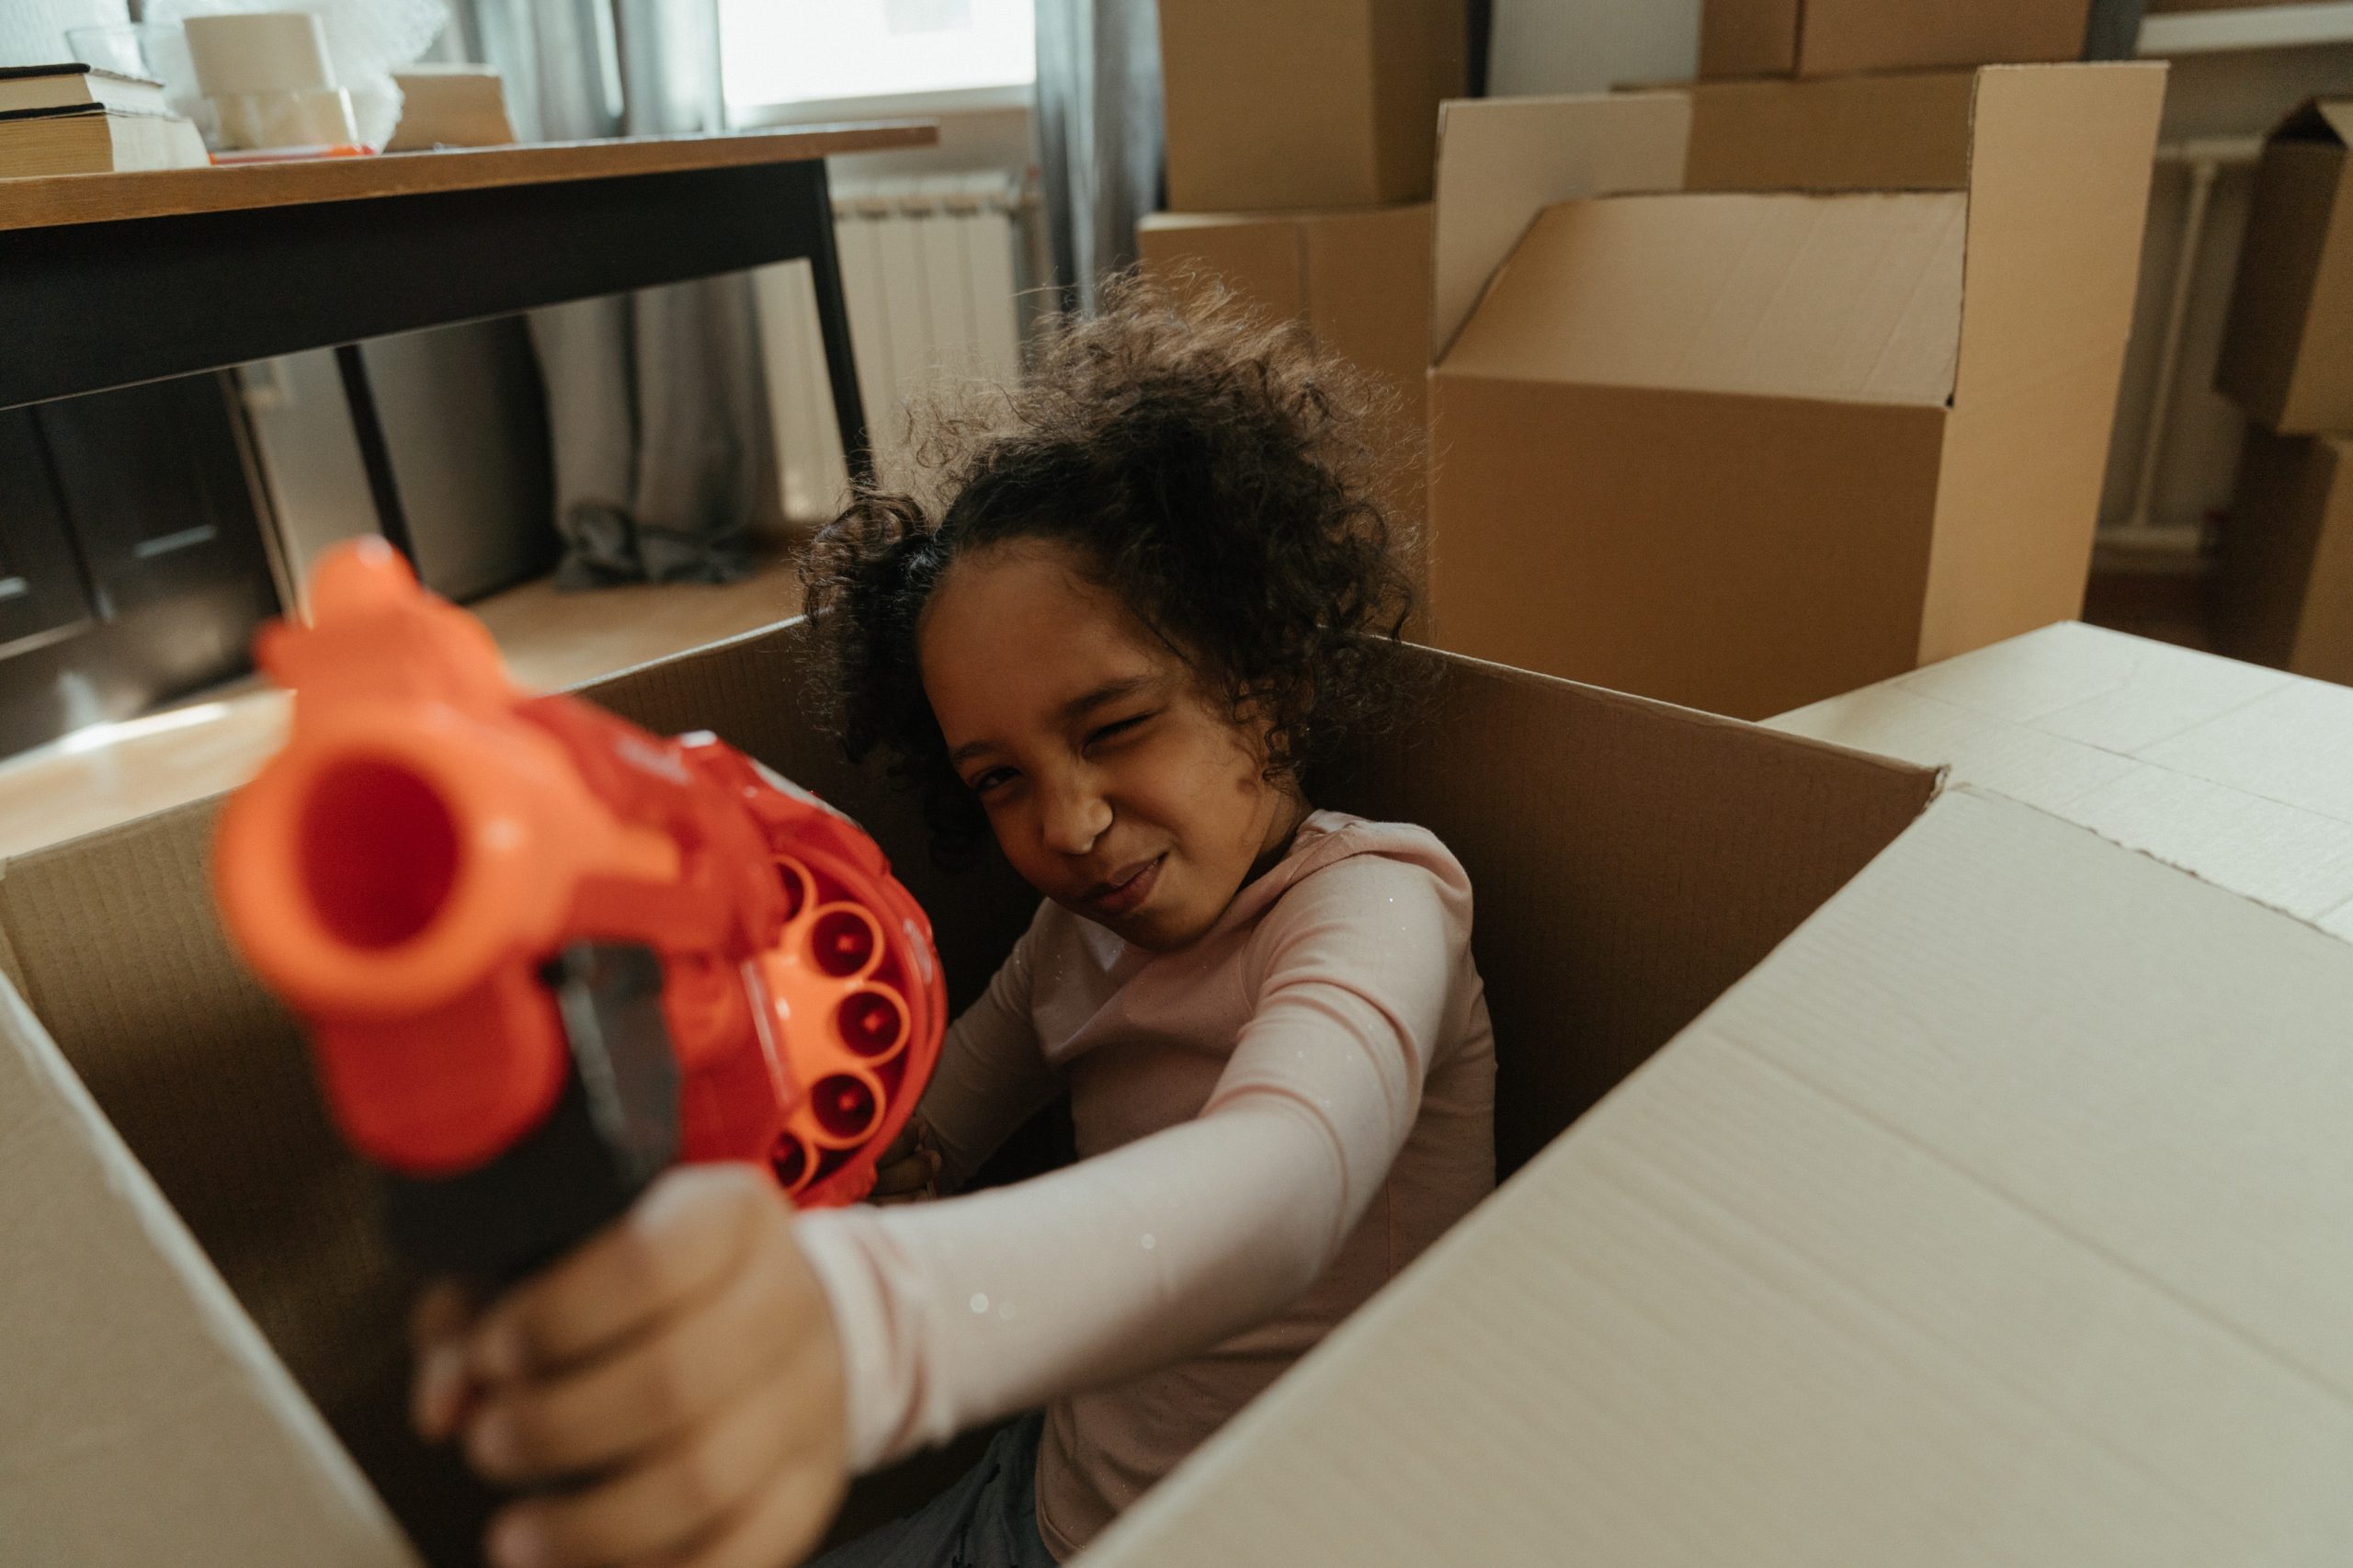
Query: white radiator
934,269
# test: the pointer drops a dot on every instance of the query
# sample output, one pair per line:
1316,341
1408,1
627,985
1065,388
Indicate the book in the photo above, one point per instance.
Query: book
94,140
75,85
451,105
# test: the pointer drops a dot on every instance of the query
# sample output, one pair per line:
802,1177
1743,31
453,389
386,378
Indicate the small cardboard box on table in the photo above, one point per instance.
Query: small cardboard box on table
1828,38
1358,278
1716,422
2288,345
1988,1197
1309,103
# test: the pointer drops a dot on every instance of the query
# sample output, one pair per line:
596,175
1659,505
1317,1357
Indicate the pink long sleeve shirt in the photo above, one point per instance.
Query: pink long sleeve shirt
1272,1123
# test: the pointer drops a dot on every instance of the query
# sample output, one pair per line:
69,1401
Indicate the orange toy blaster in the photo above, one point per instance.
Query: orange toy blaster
544,954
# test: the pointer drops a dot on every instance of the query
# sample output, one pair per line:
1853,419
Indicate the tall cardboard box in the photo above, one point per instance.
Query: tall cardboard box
2282,589
1745,448
1359,280
1308,103
1828,38
2288,345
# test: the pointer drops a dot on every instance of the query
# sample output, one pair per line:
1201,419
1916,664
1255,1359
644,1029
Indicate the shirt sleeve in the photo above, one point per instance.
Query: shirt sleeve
955,1313
992,1074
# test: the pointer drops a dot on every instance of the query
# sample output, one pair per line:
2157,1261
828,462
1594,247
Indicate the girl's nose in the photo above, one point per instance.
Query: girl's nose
1075,817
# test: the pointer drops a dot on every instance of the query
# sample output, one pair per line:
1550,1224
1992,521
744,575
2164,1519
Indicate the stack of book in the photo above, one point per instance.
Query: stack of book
77,120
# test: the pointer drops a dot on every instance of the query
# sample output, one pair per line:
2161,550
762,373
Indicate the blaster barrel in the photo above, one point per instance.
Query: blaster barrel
405,871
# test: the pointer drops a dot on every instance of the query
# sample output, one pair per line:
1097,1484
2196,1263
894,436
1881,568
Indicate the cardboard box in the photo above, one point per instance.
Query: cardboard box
451,105
1828,38
1359,279
2288,345
1743,449
1964,1225
1310,103
2282,589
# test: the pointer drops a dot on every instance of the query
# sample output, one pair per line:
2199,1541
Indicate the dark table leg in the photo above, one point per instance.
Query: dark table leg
374,454
833,323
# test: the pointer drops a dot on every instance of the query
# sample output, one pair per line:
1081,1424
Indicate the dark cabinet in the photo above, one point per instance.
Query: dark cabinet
133,567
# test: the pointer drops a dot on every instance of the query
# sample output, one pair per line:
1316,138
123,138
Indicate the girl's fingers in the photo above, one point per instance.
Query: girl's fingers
650,1390
780,1526
442,1387
673,1246
672,1502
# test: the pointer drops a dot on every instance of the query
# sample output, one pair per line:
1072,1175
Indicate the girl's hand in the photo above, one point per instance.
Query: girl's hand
909,1170
683,1361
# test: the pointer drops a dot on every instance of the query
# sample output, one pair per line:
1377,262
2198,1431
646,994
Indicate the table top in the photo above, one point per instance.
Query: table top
62,200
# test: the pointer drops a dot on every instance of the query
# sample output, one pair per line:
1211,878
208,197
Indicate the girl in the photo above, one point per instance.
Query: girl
1159,576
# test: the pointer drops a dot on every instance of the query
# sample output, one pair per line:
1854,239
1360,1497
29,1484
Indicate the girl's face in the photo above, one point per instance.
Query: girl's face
1119,788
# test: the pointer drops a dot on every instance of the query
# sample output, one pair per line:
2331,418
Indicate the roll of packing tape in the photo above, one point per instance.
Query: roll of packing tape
315,119
259,51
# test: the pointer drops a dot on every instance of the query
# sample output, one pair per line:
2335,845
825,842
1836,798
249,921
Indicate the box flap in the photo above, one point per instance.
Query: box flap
1632,859
2241,775
1879,1262
2059,183
148,1422
1908,131
1502,161
1848,299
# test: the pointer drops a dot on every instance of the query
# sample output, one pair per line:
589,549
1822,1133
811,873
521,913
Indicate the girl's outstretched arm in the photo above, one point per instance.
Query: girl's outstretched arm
954,1314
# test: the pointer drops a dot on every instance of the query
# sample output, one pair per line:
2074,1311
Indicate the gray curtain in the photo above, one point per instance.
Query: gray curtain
1098,133
656,406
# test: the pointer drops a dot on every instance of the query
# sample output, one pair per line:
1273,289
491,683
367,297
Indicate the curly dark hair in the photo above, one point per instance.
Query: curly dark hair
1216,472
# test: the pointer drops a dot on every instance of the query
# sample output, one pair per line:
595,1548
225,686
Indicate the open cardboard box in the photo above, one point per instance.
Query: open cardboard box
1745,449
1997,1203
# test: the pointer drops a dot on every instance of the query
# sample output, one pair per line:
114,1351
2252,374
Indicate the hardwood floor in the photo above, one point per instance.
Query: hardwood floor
95,777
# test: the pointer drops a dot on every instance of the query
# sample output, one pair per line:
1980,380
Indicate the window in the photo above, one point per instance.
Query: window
785,51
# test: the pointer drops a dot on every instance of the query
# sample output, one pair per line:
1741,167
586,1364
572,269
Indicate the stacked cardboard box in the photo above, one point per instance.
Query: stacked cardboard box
1964,1185
1752,393
2283,587
1300,142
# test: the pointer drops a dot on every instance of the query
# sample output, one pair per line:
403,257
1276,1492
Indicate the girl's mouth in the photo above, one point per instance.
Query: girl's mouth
1128,891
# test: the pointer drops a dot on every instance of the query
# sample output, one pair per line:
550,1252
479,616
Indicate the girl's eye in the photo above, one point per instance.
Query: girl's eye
1117,727
987,781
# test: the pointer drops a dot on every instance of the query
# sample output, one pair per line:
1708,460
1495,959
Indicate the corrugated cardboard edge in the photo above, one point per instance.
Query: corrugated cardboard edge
320,1508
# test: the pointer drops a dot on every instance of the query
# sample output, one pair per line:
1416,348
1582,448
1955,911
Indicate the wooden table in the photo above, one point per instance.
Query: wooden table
108,280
